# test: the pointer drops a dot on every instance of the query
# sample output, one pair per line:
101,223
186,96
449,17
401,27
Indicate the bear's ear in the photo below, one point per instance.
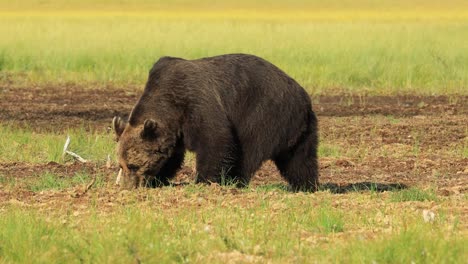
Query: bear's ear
149,129
118,125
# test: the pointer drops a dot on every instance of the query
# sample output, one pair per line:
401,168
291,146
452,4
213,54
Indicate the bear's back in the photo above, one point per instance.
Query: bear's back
240,83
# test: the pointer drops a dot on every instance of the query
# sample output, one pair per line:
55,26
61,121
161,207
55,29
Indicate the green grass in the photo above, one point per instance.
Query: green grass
413,194
201,228
417,244
330,53
24,145
329,150
48,180
328,220
7,181
51,181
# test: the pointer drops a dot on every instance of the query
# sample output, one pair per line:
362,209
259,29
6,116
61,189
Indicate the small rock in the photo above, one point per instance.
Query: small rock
428,216
207,228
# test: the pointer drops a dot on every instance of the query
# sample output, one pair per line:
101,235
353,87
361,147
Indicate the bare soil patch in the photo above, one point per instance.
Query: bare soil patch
53,108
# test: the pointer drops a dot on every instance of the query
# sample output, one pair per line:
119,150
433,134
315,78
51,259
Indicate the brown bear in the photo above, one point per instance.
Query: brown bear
234,111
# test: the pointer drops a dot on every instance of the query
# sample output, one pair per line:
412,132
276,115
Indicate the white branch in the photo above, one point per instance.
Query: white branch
66,151
65,147
76,156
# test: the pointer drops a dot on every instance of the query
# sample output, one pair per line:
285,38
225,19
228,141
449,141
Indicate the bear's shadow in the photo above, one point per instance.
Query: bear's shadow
332,187
346,188
362,186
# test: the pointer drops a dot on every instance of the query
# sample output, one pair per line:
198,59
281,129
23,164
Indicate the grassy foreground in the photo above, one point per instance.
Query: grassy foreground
214,224
358,47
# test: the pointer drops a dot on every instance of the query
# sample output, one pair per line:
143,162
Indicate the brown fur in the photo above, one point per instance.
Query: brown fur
234,111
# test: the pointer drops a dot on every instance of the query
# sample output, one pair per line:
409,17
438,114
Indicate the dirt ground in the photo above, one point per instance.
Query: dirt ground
58,108
405,140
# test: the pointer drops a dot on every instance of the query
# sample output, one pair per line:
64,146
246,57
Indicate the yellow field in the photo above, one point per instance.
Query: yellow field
334,10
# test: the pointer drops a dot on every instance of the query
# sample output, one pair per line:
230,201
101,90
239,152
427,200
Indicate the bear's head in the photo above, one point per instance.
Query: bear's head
142,151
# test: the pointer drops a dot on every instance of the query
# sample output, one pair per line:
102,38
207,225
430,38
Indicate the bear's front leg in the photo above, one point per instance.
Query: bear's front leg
169,170
218,160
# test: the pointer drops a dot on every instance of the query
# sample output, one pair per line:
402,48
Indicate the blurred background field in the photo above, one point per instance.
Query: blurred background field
359,47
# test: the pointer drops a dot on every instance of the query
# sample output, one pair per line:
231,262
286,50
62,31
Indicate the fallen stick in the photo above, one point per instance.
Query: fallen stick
74,155
93,180
80,159
90,184
65,146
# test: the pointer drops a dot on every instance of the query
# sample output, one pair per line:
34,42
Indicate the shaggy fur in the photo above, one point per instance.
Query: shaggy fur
234,111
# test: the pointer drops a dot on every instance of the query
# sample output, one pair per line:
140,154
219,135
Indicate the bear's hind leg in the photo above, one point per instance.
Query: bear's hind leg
299,165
